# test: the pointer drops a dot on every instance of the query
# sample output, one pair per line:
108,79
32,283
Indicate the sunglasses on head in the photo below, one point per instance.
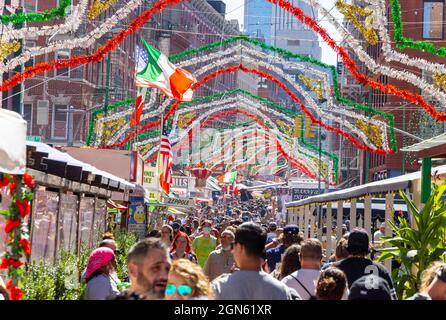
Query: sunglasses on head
183,290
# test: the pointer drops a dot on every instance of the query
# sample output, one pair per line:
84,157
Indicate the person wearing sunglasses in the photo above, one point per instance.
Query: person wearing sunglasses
187,281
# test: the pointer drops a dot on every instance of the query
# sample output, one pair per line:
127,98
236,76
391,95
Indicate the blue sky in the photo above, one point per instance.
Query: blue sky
235,10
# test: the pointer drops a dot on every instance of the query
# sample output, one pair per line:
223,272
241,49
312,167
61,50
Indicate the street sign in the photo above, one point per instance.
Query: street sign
177,202
302,193
34,138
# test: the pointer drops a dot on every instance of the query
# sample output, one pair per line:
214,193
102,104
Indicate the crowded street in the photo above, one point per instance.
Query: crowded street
222,150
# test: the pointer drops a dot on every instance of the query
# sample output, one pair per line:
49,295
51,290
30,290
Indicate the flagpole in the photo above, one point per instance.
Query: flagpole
159,150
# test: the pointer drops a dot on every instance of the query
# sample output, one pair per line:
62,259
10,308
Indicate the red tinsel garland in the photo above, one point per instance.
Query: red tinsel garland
163,4
351,65
268,76
296,99
152,158
294,161
12,224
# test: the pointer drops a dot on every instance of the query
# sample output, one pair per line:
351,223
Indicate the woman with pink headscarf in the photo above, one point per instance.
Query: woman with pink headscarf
100,283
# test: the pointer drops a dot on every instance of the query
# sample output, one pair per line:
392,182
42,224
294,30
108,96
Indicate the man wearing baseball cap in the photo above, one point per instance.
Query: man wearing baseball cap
357,265
271,235
290,237
370,287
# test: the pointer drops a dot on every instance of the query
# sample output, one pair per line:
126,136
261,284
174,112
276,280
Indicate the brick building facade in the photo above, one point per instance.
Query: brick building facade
422,20
46,97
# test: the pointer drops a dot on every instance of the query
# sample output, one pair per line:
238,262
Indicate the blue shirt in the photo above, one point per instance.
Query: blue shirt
274,256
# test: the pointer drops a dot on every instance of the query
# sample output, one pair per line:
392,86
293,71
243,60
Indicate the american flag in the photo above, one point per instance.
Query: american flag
142,58
165,161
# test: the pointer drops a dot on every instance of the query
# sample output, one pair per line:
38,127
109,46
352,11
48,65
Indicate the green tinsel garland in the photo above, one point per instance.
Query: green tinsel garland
409,43
389,117
47,15
96,112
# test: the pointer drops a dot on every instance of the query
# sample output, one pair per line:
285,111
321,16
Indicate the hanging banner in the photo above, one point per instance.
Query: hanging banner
150,182
137,217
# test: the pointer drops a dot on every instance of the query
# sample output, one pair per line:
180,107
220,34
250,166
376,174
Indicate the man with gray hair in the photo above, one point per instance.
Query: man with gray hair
220,260
148,264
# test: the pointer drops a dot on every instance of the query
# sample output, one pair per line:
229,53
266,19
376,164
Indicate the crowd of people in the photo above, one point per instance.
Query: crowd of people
237,252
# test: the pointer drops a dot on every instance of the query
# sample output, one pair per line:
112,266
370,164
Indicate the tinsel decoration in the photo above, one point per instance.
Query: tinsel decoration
440,80
352,66
47,15
351,12
7,48
332,70
372,132
98,7
293,96
314,85
186,119
287,128
98,113
408,43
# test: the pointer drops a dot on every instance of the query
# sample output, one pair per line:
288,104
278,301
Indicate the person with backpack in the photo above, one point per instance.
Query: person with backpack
357,264
303,280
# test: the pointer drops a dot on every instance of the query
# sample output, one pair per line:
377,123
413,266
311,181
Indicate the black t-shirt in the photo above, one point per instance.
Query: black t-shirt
354,268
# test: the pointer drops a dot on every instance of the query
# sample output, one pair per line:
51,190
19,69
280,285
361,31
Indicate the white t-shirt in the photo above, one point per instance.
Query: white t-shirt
308,277
377,236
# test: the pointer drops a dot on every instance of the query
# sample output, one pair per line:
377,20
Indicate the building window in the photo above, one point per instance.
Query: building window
65,72
78,71
30,62
30,5
60,116
28,117
433,19
293,43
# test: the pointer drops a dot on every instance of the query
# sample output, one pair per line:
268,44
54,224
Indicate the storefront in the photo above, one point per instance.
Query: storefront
69,210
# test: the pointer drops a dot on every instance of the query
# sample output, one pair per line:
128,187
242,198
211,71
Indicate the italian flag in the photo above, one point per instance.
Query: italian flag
160,73
228,177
